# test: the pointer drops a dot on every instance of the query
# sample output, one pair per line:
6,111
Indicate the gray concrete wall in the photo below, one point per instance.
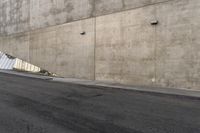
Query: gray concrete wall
63,50
17,45
25,15
131,51
120,44
177,40
14,16
125,48
59,49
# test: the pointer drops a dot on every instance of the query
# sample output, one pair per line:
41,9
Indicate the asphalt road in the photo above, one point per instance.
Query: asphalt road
39,106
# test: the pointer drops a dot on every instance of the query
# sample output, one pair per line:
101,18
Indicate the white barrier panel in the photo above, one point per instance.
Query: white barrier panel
24,66
8,62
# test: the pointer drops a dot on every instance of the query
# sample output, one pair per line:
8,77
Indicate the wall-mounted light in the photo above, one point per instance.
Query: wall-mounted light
83,33
154,22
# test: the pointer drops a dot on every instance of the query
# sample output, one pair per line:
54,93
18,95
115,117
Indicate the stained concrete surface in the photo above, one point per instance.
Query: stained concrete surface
63,50
18,16
134,52
16,45
177,44
40,106
126,53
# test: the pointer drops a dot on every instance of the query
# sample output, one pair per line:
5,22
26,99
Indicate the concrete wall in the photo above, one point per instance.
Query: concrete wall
14,16
63,50
134,52
25,15
177,38
125,47
120,44
17,45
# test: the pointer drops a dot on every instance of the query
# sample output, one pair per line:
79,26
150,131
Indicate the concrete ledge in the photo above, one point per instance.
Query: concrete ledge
160,90
157,90
27,75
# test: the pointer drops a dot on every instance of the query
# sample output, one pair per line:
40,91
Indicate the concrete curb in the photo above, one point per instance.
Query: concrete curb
24,74
167,91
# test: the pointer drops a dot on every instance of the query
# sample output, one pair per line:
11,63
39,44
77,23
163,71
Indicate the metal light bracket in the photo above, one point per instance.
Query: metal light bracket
154,22
83,33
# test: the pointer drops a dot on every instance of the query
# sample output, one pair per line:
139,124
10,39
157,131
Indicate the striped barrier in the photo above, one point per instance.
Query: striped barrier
8,62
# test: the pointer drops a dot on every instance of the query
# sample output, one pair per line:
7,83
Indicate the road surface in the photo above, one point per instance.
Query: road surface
38,106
